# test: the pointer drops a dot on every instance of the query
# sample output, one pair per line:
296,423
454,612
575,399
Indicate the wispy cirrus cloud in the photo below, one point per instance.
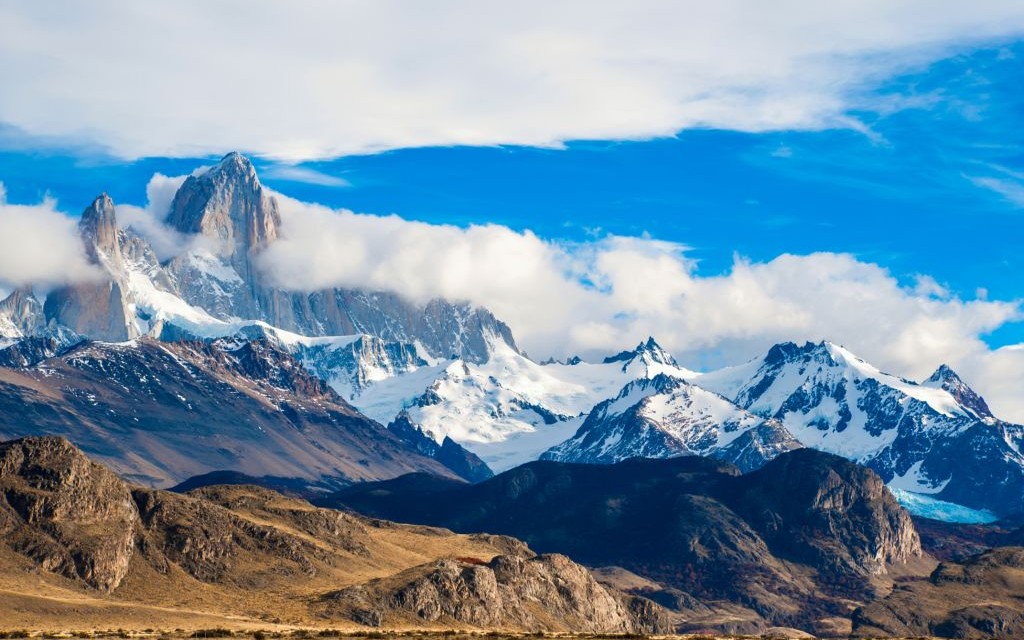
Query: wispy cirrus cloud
1007,183
295,173
304,80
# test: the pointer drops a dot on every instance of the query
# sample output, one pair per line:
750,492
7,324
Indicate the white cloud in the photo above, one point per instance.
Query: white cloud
293,173
597,297
301,80
148,221
39,246
594,297
1010,188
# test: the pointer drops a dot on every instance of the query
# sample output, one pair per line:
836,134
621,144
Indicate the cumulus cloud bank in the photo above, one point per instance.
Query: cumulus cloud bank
39,246
303,80
148,221
591,298
597,297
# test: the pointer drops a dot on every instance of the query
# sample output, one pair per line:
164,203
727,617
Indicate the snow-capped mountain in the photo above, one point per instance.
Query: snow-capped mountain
160,412
446,375
215,287
664,417
509,409
21,314
935,438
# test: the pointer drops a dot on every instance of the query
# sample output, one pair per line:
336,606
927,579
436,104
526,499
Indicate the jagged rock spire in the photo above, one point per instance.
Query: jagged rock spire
98,228
229,205
649,350
945,378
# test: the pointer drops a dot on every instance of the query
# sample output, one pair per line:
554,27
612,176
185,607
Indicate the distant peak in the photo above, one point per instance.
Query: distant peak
789,351
98,226
101,207
944,373
649,349
228,204
235,161
947,379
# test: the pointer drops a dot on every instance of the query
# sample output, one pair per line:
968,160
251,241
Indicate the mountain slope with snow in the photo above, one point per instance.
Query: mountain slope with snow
509,409
663,417
934,438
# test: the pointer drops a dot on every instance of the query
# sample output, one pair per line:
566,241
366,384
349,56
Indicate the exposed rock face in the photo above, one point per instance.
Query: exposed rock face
754,447
354,366
910,433
101,235
101,310
827,512
229,219
21,314
450,453
947,379
96,310
229,207
795,540
545,593
30,351
69,514
227,203
979,598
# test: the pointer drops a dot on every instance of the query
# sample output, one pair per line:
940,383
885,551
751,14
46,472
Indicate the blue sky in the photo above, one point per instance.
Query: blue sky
722,175
932,184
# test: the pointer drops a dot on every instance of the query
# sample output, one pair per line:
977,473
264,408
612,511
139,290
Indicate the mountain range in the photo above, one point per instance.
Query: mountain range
440,379
737,500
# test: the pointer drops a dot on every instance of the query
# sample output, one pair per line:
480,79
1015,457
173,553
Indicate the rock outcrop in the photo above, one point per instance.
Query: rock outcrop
979,598
21,314
67,513
543,593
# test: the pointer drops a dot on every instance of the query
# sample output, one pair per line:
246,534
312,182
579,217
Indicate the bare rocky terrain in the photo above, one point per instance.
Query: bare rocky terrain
82,549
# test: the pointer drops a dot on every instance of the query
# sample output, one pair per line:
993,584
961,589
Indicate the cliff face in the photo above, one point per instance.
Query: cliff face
21,314
549,592
68,514
828,512
217,550
100,309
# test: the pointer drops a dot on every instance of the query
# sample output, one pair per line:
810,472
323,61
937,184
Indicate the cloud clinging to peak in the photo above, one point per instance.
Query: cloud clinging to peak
39,246
302,80
600,296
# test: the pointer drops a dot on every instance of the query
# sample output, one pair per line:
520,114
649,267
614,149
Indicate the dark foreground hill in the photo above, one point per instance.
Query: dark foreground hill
82,549
800,542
